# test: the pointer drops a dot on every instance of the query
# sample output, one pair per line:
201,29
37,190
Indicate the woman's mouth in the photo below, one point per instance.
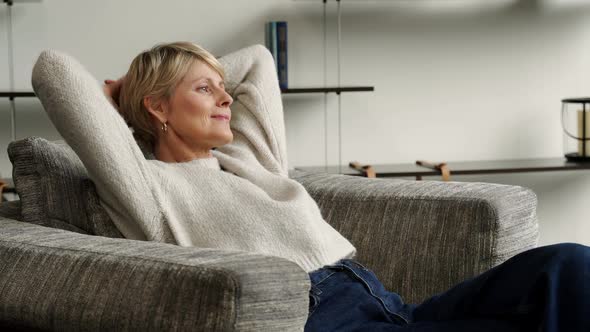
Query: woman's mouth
221,117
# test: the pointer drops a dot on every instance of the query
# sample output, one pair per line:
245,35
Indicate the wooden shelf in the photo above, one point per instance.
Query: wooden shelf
9,189
10,185
337,90
461,168
15,94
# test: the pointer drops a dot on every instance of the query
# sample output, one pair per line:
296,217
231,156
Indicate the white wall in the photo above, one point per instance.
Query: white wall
454,80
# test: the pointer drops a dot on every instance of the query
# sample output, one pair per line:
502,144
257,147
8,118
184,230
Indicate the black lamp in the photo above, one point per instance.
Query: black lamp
575,121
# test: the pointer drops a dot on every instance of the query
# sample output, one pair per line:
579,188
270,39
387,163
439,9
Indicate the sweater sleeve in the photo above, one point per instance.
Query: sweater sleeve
257,112
77,106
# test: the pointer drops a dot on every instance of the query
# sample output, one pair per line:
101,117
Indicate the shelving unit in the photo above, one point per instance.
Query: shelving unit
462,168
13,94
338,89
9,192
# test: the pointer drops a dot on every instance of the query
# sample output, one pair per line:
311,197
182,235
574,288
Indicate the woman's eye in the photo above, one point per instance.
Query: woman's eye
204,88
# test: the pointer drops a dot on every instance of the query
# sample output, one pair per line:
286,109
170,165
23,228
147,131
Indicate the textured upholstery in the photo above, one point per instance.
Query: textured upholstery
54,188
419,237
422,237
98,221
52,279
11,209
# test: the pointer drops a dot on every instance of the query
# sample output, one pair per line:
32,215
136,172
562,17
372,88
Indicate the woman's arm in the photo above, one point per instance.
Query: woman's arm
88,122
257,112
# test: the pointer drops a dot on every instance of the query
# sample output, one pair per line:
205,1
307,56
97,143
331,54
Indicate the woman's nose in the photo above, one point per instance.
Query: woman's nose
225,100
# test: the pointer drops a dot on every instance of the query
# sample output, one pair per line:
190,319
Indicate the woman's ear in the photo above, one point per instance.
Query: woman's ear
156,108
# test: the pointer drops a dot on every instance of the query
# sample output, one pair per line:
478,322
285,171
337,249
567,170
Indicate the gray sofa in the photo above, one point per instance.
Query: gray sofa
66,267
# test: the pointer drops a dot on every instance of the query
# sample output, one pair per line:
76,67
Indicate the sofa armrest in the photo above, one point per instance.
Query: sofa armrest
11,210
422,237
53,279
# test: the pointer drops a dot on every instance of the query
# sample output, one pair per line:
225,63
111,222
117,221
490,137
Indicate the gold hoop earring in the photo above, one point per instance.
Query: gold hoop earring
165,127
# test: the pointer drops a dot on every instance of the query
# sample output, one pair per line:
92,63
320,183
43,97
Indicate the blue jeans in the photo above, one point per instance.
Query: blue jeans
543,289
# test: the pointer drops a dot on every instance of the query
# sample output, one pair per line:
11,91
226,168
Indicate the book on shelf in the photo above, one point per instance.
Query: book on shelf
270,40
276,41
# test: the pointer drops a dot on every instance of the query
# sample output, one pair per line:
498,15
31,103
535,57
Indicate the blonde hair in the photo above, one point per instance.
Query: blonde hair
156,73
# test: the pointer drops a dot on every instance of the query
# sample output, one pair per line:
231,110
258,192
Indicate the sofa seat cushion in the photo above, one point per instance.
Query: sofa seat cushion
54,188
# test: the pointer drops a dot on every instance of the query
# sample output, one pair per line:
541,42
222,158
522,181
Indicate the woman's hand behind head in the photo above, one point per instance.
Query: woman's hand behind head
112,90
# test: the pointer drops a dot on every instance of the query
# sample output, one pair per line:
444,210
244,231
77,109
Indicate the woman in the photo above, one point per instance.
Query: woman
219,180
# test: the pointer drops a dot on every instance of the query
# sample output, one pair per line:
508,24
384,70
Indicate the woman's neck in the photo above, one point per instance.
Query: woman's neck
178,151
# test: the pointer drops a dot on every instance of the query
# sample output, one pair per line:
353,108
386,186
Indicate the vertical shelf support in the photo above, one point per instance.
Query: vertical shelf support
339,39
11,71
325,86
338,72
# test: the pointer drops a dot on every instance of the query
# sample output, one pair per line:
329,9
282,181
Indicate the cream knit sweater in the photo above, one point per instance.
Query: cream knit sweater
251,206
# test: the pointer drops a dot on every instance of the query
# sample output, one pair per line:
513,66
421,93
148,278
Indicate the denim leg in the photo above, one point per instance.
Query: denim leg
546,288
348,297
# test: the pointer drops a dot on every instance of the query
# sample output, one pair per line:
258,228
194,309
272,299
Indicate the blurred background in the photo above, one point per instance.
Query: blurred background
454,79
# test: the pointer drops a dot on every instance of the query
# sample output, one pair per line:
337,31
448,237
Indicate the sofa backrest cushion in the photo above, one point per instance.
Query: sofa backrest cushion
54,188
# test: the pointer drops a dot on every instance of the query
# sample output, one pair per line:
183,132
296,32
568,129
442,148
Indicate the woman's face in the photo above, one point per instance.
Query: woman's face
198,110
